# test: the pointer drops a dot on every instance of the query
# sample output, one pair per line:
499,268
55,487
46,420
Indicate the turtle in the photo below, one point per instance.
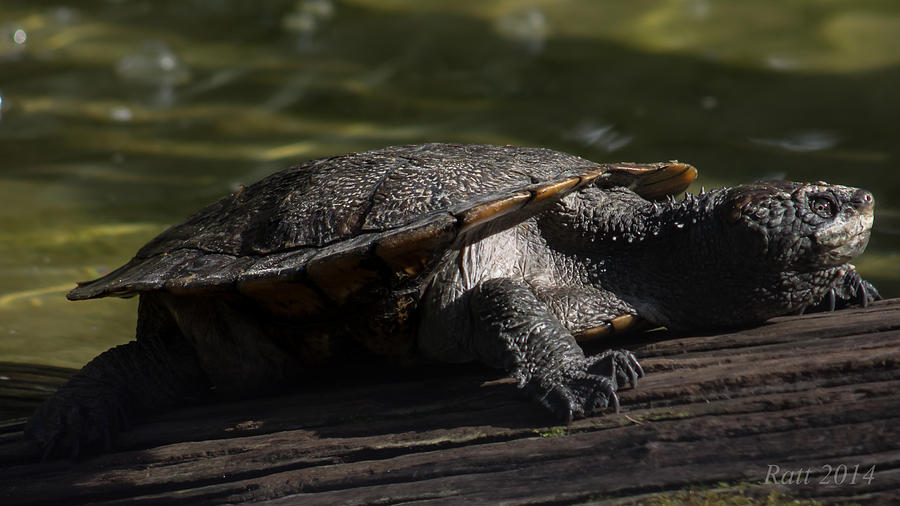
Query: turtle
506,255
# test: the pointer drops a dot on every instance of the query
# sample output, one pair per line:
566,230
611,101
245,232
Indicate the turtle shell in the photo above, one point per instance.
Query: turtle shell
318,234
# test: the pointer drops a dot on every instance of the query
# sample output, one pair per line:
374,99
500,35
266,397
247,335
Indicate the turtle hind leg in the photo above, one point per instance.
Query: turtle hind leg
519,332
156,372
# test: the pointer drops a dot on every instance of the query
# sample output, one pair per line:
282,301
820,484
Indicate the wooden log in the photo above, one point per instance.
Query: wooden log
802,407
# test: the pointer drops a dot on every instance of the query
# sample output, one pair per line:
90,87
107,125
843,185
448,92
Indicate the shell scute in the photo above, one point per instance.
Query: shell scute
204,272
288,265
493,209
344,268
413,248
547,191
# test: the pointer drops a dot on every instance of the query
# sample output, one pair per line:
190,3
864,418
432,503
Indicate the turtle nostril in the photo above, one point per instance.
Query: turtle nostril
864,199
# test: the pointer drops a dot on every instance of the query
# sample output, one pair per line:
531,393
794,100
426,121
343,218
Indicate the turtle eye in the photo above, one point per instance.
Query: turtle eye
824,206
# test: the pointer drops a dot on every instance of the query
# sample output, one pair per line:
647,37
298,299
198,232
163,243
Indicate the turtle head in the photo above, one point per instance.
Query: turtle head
758,251
802,226
787,246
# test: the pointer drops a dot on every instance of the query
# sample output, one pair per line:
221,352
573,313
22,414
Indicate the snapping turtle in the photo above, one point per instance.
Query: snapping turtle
507,255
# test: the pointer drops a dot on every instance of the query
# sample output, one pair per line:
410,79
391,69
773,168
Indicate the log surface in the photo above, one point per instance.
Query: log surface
815,395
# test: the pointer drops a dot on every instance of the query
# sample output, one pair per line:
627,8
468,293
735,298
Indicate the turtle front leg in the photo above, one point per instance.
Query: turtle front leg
518,332
590,312
850,289
154,373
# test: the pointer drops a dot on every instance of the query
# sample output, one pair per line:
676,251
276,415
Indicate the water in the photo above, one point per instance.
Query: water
120,118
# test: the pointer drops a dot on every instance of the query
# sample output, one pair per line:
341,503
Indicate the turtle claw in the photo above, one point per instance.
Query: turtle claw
634,369
614,399
849,290
865,291
586,385
854,289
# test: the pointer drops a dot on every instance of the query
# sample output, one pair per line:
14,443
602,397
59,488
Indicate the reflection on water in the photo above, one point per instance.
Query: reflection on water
120,118
811,140
602,135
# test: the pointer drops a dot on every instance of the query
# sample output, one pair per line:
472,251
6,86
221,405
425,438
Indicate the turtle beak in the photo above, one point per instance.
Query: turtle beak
848,235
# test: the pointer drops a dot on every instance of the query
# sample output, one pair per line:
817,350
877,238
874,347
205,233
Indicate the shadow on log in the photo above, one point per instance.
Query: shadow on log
803,407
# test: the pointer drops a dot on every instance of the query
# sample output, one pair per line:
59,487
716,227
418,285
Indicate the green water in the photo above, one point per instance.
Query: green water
120,118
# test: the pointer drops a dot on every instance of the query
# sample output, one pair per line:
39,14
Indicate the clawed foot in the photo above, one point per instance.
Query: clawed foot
852,289
584,385
76,419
